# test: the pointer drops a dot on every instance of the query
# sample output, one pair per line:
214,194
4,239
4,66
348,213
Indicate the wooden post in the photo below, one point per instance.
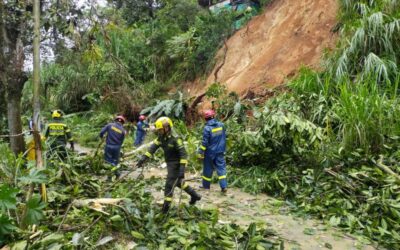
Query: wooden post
36,93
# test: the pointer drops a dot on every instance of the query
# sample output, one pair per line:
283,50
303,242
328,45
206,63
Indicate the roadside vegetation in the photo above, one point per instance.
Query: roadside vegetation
328,144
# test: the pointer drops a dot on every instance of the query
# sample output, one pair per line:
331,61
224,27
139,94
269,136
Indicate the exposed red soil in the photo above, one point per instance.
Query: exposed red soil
274,45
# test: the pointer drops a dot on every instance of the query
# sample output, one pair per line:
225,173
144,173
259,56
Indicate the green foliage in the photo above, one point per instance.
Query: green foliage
171,108
341,195
373,48
35,176
281,134
7,197
177,43
6,227
366,118
316,145
34,211
136,217
227,104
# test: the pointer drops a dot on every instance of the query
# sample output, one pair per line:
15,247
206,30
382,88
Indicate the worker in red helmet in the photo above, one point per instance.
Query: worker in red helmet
141,130
115,137
212,151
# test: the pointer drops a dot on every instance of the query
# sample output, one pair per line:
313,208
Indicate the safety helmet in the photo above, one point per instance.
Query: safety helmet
120,118
142,118
56,113
209,114
163,122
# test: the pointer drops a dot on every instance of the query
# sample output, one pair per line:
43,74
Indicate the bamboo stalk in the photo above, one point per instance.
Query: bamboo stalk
386,169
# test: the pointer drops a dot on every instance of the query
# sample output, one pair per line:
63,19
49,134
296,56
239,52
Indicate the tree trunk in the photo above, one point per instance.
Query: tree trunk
16,79
12,76
14,120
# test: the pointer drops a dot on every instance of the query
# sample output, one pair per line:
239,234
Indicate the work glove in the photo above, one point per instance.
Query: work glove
182,172
72,146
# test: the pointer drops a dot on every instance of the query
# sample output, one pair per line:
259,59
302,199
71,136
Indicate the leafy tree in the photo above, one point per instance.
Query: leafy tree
14,21
137,10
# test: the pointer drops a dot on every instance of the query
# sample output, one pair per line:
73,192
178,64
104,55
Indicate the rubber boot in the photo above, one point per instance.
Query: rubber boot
166,206
194,196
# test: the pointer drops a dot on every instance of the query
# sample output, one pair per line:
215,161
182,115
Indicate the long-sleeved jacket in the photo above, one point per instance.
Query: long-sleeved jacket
140,132
214,138
59,132
115,133
174,150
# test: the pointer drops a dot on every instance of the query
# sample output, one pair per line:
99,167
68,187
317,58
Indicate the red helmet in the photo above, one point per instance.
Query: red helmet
120,118
142,118
209,114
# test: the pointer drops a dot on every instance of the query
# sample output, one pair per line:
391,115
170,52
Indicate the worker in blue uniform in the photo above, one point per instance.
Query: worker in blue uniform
212,151
115,137
141,131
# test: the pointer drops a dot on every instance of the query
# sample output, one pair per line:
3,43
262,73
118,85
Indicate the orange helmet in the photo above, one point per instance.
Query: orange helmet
208,114
120,118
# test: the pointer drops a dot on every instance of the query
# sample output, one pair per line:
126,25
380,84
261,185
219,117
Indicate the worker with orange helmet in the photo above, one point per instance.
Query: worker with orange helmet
176,159
115,137
141,130
212,151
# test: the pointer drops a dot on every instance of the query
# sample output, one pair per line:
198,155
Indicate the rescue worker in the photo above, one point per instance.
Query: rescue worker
212,151
115,137
176,159
58,134
141,130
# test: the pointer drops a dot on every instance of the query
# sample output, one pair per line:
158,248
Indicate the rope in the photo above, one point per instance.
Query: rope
15,135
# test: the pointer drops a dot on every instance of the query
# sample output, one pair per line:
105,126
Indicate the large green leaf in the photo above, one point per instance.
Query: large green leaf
35,176
8,197
6,226
34,211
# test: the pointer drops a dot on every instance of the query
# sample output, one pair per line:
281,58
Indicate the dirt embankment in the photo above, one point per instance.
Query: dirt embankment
274,45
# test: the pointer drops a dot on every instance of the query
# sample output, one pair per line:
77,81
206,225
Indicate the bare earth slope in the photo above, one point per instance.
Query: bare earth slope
274,45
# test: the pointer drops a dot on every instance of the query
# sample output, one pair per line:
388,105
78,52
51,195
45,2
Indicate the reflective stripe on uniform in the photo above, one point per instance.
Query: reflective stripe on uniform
216,129
57,125
148,154
156,142
185,185
206,178
202,147
56,133
116,129
183,161
222,177
168,198
57,129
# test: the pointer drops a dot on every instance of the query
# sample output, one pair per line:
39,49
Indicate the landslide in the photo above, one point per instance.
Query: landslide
273,46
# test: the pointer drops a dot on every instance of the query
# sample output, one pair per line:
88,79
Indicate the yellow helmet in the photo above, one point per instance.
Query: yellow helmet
162,122
56,114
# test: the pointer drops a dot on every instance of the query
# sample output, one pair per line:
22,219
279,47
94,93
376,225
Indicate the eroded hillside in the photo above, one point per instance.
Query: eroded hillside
274,45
